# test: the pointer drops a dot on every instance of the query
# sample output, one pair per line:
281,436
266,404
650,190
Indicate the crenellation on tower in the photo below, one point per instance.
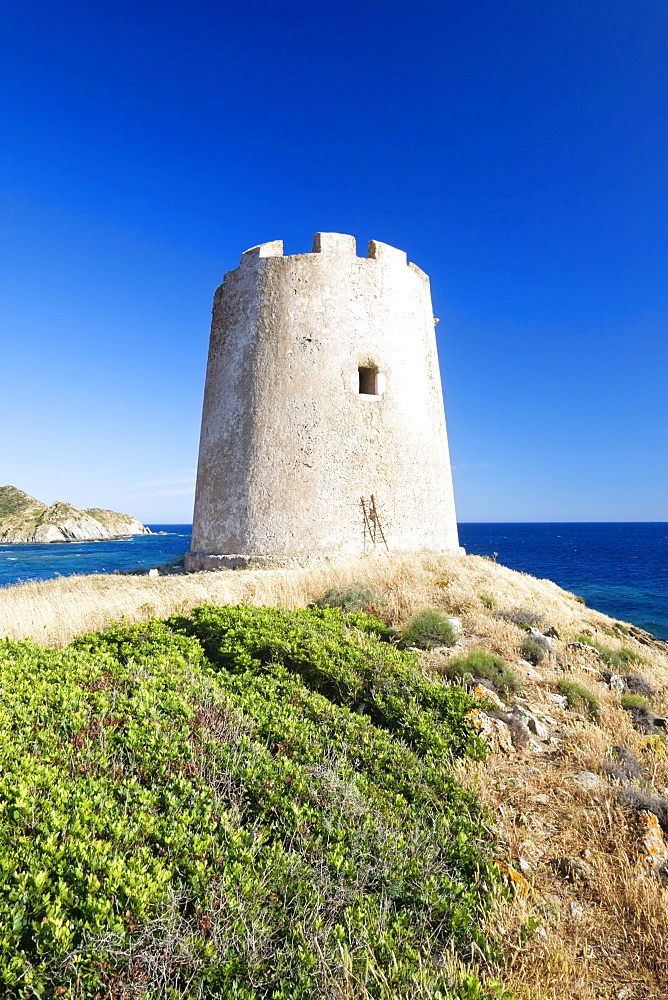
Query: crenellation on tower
418,270
387,254
273,249
322,391
328,242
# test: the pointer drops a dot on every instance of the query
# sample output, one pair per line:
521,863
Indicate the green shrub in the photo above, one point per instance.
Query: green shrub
642,714
579,698
532,650
428,629
489,666
619,660
247,803
579,599
352,598
487,601
629,701
524,617
339,656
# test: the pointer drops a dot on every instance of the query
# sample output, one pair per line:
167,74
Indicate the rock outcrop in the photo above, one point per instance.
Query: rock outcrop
24,519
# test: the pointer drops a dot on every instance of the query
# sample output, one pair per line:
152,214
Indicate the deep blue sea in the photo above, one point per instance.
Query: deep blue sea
40,562
620,569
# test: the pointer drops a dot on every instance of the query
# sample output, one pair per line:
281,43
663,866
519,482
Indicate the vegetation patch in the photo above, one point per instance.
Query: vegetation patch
642,714
637,684
478,663
524,617
428,629
635,701
532,650
356,597
579,698
248,803
619,660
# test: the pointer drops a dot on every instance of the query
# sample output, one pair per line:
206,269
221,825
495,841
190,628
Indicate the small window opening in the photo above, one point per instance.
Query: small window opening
368,381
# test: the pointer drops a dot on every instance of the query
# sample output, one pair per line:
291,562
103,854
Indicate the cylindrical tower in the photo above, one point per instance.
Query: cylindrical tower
323,432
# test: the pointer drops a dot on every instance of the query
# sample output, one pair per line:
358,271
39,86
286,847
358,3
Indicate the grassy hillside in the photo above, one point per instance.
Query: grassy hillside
346,769
15,502
24,519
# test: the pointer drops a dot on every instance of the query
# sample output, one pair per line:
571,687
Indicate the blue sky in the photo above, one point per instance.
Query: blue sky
517,151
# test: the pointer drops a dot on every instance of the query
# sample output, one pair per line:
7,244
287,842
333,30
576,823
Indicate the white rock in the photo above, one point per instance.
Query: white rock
533,724
588,780
494,732
480,691
154,572
616,683
542,639
558,699
530,670
583,645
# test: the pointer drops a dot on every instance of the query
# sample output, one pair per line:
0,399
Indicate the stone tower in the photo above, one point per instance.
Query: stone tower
323,432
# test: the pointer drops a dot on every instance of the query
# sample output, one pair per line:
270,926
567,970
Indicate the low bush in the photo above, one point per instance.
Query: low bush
352,598
641,713
532,650
524,617
625,766
625,658
579,698
637,684
629,701
249,803
478,663
619,660
487,601
428,629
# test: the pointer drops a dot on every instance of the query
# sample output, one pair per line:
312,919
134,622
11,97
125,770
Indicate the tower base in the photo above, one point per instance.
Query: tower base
202,562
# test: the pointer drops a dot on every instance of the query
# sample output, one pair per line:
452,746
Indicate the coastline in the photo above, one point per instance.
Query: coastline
620,569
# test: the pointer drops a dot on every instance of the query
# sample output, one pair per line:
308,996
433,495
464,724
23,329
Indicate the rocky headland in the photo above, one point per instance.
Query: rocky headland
24,519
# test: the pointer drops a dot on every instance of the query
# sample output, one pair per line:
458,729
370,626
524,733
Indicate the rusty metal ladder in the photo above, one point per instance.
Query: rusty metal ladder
373,529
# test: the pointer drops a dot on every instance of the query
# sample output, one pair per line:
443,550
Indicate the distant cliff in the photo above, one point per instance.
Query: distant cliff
24,519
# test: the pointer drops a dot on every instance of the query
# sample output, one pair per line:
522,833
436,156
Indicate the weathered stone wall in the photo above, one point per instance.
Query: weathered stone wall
289,445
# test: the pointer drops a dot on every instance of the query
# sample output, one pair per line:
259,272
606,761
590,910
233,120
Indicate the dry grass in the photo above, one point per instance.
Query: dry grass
596,937
599,938
54,611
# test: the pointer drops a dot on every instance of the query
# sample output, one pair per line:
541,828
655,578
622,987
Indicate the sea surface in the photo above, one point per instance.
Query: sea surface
41,562
619,568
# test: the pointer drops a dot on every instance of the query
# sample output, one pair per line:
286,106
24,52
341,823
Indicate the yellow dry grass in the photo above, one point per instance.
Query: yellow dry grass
604,938
54,611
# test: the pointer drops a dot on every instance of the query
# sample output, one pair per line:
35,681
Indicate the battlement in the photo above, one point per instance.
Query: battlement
338,243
